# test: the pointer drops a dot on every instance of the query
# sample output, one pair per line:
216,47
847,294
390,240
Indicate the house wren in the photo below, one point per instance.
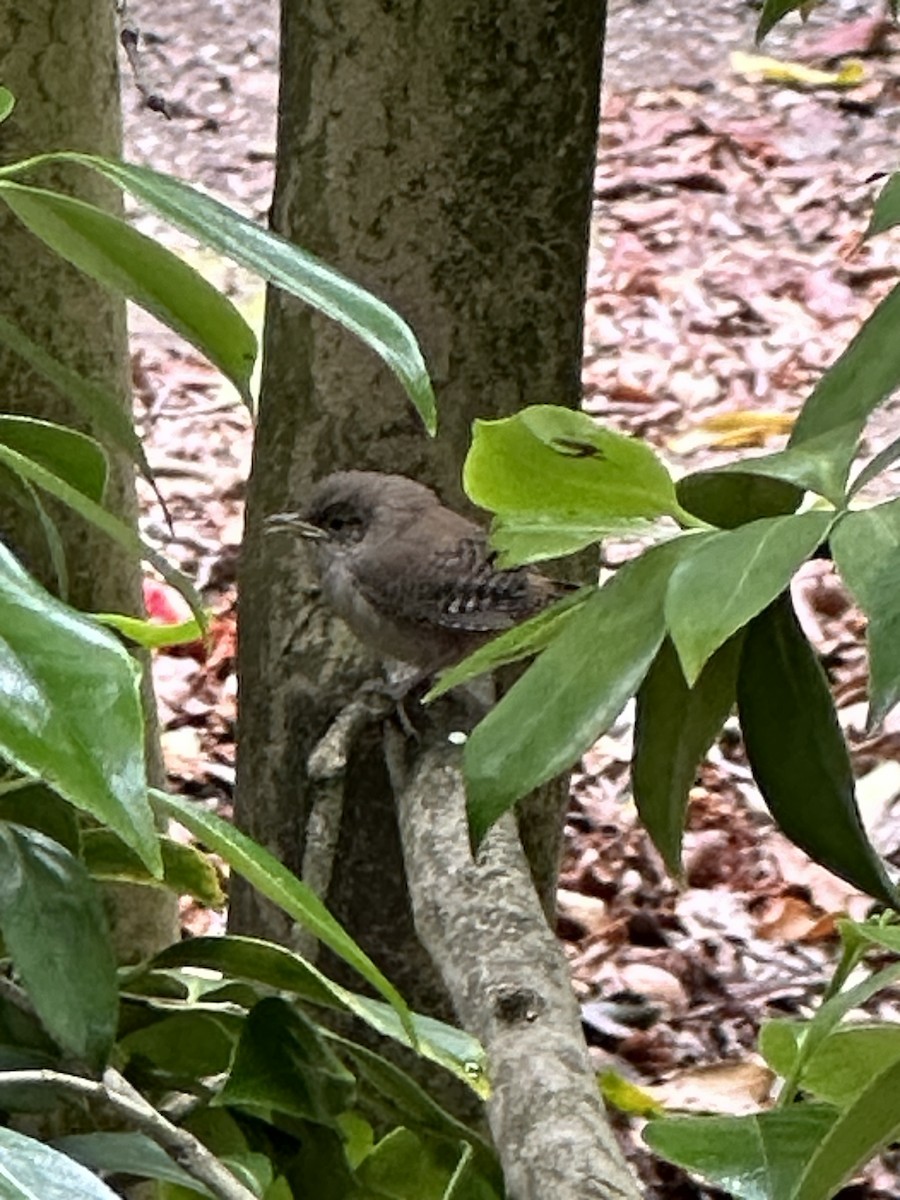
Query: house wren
412,579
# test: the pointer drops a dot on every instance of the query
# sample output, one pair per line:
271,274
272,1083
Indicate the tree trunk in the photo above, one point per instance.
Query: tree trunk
58,57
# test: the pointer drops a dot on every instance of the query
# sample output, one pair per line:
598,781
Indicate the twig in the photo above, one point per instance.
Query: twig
130,37
115,1098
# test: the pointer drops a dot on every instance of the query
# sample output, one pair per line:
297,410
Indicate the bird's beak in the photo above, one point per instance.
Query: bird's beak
294,523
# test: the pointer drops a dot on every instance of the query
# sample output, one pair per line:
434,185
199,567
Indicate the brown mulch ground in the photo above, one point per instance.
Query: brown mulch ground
726,272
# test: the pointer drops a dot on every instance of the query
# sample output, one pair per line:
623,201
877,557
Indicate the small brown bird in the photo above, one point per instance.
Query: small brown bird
412,579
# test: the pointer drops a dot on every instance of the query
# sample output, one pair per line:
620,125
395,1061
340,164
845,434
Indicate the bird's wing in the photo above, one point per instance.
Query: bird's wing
455,587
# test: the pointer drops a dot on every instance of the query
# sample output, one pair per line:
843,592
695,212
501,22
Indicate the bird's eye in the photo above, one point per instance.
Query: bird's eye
336,523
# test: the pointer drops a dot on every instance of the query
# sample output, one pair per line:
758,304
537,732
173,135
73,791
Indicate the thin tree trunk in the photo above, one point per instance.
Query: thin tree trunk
58,57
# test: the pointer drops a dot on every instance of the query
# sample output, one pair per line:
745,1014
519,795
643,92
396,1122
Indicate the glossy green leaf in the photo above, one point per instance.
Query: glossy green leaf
70,709
716,590
674,726
55,931
530,637
797,751
186,870
152,635
772,12
873,468
758,1157
866,549
868,1124
574,691
127,1154
30,1170
732,499
120,257
818,464
846,1063
72,456
52,537
864,375
549,464
94,401
119,531
276,967
7,103
886,213
274,881
279,262
283,1063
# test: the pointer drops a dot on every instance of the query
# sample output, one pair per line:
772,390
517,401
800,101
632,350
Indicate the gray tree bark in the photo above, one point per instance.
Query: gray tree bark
59,58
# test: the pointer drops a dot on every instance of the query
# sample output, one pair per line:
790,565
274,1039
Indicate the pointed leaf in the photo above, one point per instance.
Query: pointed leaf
7,103
70,709
716,590
127,1154
152,635
797,751
277,967
29,1169
772,12
873,468
187,1046
281,1062
55,931
866,549
818,464
274,881
675,725
757,1157
864,375
574,691
118,256
549,463
278,261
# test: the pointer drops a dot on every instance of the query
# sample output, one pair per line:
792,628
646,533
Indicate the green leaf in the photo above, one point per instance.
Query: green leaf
188,1046
119,531
818,464
549,464
530,637
860,1131
281,263
531,537
406,1166
71,456
873,468
55,930
674,726
38,807
864,375
29,1169
758,1157
118,256
70,709
52,538
574,691
274,881
186,870
7,103
797,751
772,12
152,635
101,406
886,213
127,1154
731,577
277,967
281,1062
732,499
846,1063
393,1095
866,550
